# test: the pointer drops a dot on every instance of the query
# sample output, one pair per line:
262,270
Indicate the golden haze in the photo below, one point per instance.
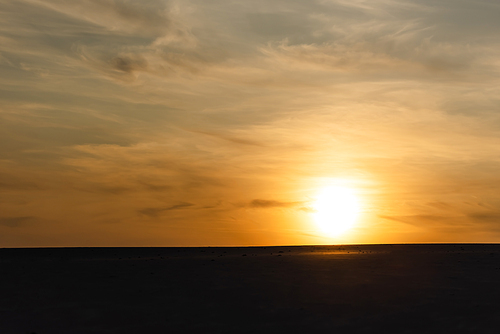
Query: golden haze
218,123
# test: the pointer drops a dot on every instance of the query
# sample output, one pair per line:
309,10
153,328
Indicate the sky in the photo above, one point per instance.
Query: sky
217,123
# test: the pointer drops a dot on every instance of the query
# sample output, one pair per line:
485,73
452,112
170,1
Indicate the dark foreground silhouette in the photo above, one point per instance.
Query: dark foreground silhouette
310,289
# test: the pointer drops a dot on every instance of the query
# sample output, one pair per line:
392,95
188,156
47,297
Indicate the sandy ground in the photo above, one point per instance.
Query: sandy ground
310,289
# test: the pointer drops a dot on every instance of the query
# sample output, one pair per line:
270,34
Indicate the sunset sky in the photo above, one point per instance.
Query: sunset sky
217,123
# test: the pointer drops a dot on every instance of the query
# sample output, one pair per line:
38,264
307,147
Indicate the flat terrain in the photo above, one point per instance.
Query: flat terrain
309,289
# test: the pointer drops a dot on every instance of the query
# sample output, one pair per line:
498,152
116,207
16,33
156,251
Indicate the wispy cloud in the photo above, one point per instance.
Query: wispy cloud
15,221
155,212
265,204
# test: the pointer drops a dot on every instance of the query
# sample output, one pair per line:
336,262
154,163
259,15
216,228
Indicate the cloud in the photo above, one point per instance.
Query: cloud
411,54
11,181
155,212
15,221
490,216
307,209
453,222
441,206
265,204
125,16
229,138
421,220
116,38
129,64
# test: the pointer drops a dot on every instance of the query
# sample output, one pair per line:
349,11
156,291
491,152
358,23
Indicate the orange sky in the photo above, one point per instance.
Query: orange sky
204,123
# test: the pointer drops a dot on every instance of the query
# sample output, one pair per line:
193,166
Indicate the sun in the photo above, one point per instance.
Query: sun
336,210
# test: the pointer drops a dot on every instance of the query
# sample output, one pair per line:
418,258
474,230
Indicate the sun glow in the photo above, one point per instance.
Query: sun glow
336,210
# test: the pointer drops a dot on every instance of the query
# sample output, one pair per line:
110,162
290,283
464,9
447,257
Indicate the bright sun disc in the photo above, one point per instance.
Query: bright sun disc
336,210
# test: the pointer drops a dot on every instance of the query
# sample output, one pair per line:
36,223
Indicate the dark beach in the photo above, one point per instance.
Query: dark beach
452,288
